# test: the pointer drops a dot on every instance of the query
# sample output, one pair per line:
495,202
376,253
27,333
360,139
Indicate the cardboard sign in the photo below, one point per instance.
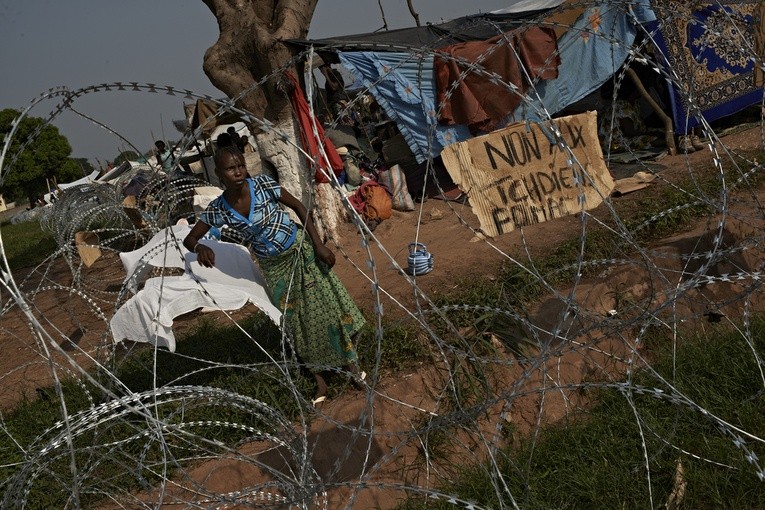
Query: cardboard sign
516,177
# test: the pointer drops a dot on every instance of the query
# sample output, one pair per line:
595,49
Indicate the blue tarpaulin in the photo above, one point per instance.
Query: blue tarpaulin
403,82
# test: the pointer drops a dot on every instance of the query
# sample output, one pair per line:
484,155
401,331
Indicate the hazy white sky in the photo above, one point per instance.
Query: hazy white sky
78,43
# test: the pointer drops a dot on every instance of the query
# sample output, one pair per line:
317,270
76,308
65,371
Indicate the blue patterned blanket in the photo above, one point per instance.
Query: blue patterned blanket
708,51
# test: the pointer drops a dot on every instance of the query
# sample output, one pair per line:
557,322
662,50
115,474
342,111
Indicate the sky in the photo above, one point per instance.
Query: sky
79,43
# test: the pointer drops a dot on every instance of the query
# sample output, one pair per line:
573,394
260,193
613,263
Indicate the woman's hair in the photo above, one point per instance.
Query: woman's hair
229,149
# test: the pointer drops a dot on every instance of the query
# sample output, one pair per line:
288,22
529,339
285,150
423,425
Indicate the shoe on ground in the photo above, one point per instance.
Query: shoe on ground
685,144
357,381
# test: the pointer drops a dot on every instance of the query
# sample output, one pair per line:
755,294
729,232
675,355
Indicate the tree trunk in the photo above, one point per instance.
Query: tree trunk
250,47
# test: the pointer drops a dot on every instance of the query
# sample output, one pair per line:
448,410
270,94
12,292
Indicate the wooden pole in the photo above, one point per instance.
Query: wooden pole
202,156
669,131
385,23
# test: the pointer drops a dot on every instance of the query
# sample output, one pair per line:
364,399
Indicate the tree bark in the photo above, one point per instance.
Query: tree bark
251,47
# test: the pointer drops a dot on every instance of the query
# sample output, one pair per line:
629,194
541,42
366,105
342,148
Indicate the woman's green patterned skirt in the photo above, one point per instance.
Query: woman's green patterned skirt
318,312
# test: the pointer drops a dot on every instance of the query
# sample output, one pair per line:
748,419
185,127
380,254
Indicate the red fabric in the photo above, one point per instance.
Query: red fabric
310,143
479,103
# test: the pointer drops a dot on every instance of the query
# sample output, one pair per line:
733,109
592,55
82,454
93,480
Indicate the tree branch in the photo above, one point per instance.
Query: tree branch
382,12
413,13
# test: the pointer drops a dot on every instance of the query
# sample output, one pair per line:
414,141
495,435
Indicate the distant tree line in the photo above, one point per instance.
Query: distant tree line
48,157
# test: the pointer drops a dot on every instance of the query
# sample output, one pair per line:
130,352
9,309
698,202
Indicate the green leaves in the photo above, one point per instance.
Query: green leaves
37,152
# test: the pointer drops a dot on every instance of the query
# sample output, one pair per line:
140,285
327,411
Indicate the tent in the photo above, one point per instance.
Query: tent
85,180
709,49
474,27
402,81
112,175
397,66
203,113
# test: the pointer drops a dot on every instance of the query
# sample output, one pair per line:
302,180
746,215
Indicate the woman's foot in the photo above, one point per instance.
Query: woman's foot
357,376
321,389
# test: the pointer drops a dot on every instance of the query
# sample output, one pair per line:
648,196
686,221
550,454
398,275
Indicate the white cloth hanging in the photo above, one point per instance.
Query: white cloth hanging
232,283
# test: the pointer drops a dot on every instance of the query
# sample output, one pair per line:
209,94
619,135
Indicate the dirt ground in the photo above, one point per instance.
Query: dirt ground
376,428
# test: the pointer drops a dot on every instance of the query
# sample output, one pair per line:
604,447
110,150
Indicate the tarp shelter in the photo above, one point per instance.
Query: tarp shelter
85,180
402,82
709,48
397,66
204,114
467,28
112,175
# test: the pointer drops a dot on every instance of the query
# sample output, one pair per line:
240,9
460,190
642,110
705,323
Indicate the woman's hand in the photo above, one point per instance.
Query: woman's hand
205,255
325,255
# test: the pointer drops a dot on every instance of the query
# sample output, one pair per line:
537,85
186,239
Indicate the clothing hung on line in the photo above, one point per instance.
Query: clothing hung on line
318,312
310,142
478,100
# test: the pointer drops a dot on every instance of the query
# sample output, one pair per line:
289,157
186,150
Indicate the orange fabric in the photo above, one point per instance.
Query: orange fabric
378,204
563,17
476,101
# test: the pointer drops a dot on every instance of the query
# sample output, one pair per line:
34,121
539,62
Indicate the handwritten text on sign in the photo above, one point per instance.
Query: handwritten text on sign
515,177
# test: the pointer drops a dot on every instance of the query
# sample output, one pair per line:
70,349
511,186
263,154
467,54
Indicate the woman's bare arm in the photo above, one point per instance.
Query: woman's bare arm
324,253
205,254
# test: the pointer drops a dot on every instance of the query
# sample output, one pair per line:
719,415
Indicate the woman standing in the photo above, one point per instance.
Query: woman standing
318,312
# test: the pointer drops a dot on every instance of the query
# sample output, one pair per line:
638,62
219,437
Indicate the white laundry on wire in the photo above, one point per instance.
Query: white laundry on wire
148,315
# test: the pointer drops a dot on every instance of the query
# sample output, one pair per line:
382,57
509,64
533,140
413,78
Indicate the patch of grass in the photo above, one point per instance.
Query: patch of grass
403,346
212,356
30,423
596,458
26,244
219,356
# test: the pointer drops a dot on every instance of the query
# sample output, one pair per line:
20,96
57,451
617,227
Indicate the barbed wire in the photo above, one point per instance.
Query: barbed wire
458,382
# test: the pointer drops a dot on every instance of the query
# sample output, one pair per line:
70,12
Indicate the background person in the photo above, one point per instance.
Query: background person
164,157
236,140
334,86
